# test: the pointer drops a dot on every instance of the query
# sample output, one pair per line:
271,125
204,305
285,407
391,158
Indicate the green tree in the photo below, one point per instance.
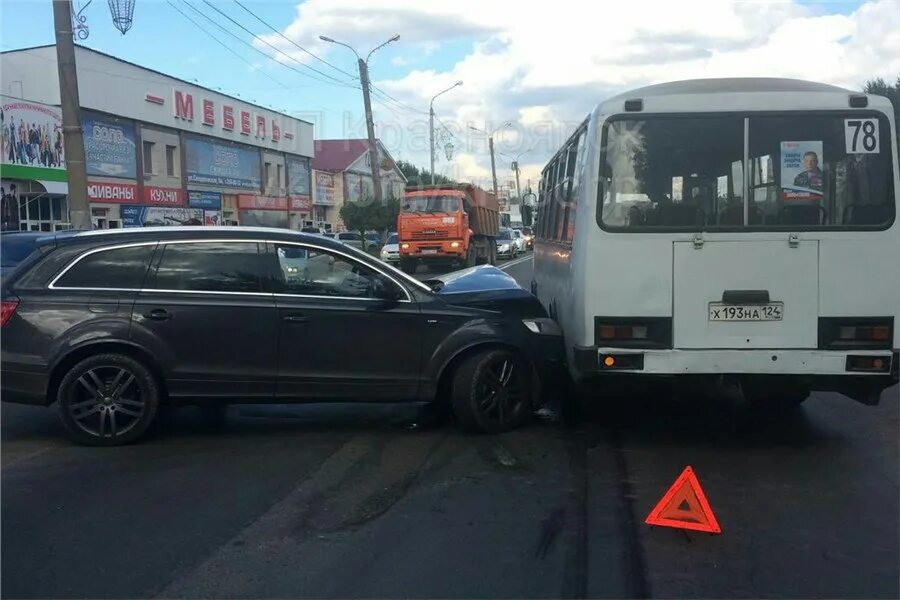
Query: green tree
370,215
416,177
879,87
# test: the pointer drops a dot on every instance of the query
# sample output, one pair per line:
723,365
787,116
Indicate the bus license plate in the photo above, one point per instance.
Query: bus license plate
773,311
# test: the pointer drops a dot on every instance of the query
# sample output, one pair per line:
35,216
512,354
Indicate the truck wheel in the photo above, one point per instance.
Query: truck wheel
492,391
408,265
471,256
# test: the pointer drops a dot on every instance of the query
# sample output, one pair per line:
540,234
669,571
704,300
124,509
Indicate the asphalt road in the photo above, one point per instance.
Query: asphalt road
359,501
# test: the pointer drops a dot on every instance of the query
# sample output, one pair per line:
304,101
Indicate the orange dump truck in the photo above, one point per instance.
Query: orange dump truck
445,224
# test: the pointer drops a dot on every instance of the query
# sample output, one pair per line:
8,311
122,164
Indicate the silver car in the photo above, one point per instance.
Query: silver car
390,252
350,238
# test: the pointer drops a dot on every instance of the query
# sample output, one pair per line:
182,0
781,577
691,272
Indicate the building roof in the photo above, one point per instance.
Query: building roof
80,48
337,155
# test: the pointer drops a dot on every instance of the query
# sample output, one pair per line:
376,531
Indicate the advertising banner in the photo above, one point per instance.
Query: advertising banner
222,165
116,193
212,217
109,148
206,200
801,174
32,137
251,201
301,203
324,189
298,176
154,216
161,196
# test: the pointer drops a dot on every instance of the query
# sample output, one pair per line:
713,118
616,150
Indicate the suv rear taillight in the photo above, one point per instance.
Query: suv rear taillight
9,308
837,333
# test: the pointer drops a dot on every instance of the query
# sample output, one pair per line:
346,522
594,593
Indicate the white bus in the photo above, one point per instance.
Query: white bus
740,228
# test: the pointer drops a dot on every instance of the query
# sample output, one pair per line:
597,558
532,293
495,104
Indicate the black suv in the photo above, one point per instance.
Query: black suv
111,325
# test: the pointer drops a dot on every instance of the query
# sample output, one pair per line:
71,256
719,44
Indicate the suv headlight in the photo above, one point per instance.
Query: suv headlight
542,326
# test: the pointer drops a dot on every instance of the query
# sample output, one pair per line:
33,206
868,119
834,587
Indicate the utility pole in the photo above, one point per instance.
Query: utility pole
370,126
431,137
493,168
515,167
431,124
367,102
79,208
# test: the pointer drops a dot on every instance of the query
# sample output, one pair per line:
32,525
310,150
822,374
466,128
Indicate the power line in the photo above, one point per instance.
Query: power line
276,49
224,45
254,48
375,90
276,31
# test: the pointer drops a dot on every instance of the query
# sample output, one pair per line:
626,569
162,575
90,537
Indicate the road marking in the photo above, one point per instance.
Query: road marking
504,266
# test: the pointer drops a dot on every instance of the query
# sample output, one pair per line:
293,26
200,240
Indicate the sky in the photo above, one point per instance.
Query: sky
540,67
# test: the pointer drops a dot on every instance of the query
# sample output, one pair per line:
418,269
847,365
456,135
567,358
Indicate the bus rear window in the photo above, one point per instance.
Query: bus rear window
805,171
820,171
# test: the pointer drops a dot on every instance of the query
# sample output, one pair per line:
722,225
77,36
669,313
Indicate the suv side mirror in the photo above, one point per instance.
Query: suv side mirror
384,289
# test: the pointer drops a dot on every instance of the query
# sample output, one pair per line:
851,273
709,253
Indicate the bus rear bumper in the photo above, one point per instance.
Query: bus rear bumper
818,370
591,360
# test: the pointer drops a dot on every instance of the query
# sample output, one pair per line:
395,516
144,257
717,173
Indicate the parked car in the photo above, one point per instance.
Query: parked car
350,238
390,252
506,244
313,230
372,242
519,240
110,325
16,246
528,234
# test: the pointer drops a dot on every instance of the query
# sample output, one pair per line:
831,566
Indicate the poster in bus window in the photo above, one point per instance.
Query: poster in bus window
801,170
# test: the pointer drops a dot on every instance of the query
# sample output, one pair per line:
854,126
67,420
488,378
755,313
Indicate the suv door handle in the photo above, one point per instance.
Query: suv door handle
296,319
158,314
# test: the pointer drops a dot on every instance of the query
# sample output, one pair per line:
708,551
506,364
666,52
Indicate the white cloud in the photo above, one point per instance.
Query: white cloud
546,68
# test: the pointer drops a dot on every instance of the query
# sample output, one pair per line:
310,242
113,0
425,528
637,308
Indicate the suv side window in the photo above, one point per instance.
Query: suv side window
315,272
220,266
117,268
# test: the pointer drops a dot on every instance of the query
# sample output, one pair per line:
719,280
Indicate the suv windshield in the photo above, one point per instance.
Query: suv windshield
431,204
505,234
804,172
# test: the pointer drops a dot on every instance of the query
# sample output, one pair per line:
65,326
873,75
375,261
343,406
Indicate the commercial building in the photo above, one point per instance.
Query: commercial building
159,150
342,172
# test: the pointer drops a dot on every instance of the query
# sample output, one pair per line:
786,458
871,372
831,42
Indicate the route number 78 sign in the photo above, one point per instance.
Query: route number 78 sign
861,136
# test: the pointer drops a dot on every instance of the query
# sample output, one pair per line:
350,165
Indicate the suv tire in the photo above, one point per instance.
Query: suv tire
492,391
108,400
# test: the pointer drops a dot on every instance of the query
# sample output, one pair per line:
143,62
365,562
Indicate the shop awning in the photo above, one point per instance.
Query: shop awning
55,187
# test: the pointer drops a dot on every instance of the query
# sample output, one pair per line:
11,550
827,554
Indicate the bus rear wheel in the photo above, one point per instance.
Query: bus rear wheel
774,395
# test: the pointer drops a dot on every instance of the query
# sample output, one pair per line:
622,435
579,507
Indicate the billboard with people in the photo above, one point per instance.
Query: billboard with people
32,135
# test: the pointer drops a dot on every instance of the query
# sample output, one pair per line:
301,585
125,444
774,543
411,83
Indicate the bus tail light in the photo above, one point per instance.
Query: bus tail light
637,332
854,332
869,364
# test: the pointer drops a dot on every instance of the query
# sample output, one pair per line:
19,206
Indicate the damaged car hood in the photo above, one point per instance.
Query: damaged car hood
486,287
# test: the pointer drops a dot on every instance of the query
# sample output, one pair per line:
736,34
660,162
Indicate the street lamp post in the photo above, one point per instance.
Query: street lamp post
431,125
491,147
515,168
367,103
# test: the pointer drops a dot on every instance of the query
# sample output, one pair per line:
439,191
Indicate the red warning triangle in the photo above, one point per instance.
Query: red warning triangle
685,506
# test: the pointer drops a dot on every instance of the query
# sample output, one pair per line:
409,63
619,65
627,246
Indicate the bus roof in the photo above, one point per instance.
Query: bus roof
731,85
740,94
